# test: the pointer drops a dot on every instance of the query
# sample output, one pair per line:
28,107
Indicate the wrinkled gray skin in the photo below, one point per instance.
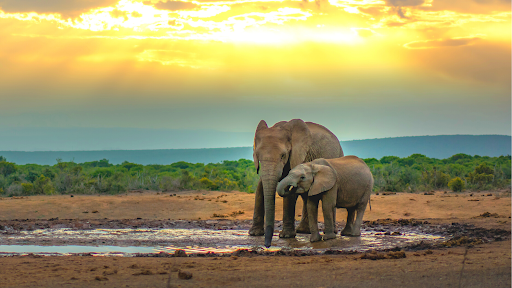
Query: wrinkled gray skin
344,182
276,150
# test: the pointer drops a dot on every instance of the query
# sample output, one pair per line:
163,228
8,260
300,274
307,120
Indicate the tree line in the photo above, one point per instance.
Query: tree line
414,173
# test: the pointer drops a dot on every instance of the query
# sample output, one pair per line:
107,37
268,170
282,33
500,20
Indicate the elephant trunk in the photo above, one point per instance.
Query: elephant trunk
283,188
269,188
269,181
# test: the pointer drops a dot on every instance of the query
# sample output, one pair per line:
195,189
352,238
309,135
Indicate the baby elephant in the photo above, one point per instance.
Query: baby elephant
344,182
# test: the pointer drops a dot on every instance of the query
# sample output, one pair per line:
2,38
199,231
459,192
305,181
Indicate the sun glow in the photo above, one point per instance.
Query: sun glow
347,23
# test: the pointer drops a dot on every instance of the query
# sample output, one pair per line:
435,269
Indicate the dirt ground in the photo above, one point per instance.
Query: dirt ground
484,265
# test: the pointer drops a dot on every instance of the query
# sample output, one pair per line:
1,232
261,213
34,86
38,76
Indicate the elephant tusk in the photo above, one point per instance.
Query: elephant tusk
291,187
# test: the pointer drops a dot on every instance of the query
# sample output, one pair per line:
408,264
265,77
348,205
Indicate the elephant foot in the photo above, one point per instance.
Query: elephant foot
329,236
315,237
303,228
287,233
346,232
256,231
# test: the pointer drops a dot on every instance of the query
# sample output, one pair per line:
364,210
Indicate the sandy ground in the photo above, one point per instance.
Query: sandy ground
485,265
201,205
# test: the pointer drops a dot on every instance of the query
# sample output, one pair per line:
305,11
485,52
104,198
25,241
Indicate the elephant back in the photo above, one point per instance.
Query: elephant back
354,179
324,145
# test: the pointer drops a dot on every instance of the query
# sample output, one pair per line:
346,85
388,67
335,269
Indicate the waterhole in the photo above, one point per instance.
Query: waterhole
126,242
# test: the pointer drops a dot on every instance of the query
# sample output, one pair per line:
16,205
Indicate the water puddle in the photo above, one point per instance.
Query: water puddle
74,249
126,242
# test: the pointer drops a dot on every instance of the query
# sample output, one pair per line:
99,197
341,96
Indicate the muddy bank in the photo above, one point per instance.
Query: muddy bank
486,265
11,226
463,221
218,237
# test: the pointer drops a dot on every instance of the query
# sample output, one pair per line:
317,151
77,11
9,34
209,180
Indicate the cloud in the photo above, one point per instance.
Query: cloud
401,14
320,3
402,3
67,8
469,6
374,11
398,4
119,14
177,58
395,24
311,5
438,43
173,5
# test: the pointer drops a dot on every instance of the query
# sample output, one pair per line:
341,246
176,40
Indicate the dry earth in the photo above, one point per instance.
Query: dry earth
485,265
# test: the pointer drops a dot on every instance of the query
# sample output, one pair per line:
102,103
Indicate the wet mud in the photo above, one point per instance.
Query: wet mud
162,238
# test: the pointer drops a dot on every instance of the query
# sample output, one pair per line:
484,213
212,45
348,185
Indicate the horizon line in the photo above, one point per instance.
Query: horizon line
231,147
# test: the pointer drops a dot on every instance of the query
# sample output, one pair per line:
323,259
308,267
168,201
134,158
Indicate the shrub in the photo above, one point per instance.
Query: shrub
7,168
27,188
169,184
482,175
208,184
129,166
14,190
102,172
49,173
456,184
442,179
388,159
43,185
414,173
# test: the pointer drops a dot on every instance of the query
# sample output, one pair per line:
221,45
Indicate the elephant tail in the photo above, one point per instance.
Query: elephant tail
370,188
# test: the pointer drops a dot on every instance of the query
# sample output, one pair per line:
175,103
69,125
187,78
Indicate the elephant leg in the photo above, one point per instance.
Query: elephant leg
328,208
259,212
334,219
304,221
313,219
288,217
359,219
347,231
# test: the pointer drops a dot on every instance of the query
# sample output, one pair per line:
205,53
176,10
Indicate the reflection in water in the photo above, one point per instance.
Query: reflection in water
102,250
192,240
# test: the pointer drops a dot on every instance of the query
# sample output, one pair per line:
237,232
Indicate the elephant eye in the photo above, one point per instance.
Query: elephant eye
302,177
283,156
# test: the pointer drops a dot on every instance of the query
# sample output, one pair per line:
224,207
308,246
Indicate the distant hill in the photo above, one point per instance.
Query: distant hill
160,156
96,139
440,147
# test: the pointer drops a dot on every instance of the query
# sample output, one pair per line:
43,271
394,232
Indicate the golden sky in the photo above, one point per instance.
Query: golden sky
396,67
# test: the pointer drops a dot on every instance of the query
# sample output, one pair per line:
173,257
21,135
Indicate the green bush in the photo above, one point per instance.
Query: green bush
208,184
7,168
43,185
27,188
482,175
456,184
414,173
388,159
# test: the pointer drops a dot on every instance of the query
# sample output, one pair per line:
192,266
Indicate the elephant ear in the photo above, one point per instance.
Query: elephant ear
301,140
261,126
323,180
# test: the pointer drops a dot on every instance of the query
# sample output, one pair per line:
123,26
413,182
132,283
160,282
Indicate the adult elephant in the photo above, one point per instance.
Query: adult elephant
276,151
